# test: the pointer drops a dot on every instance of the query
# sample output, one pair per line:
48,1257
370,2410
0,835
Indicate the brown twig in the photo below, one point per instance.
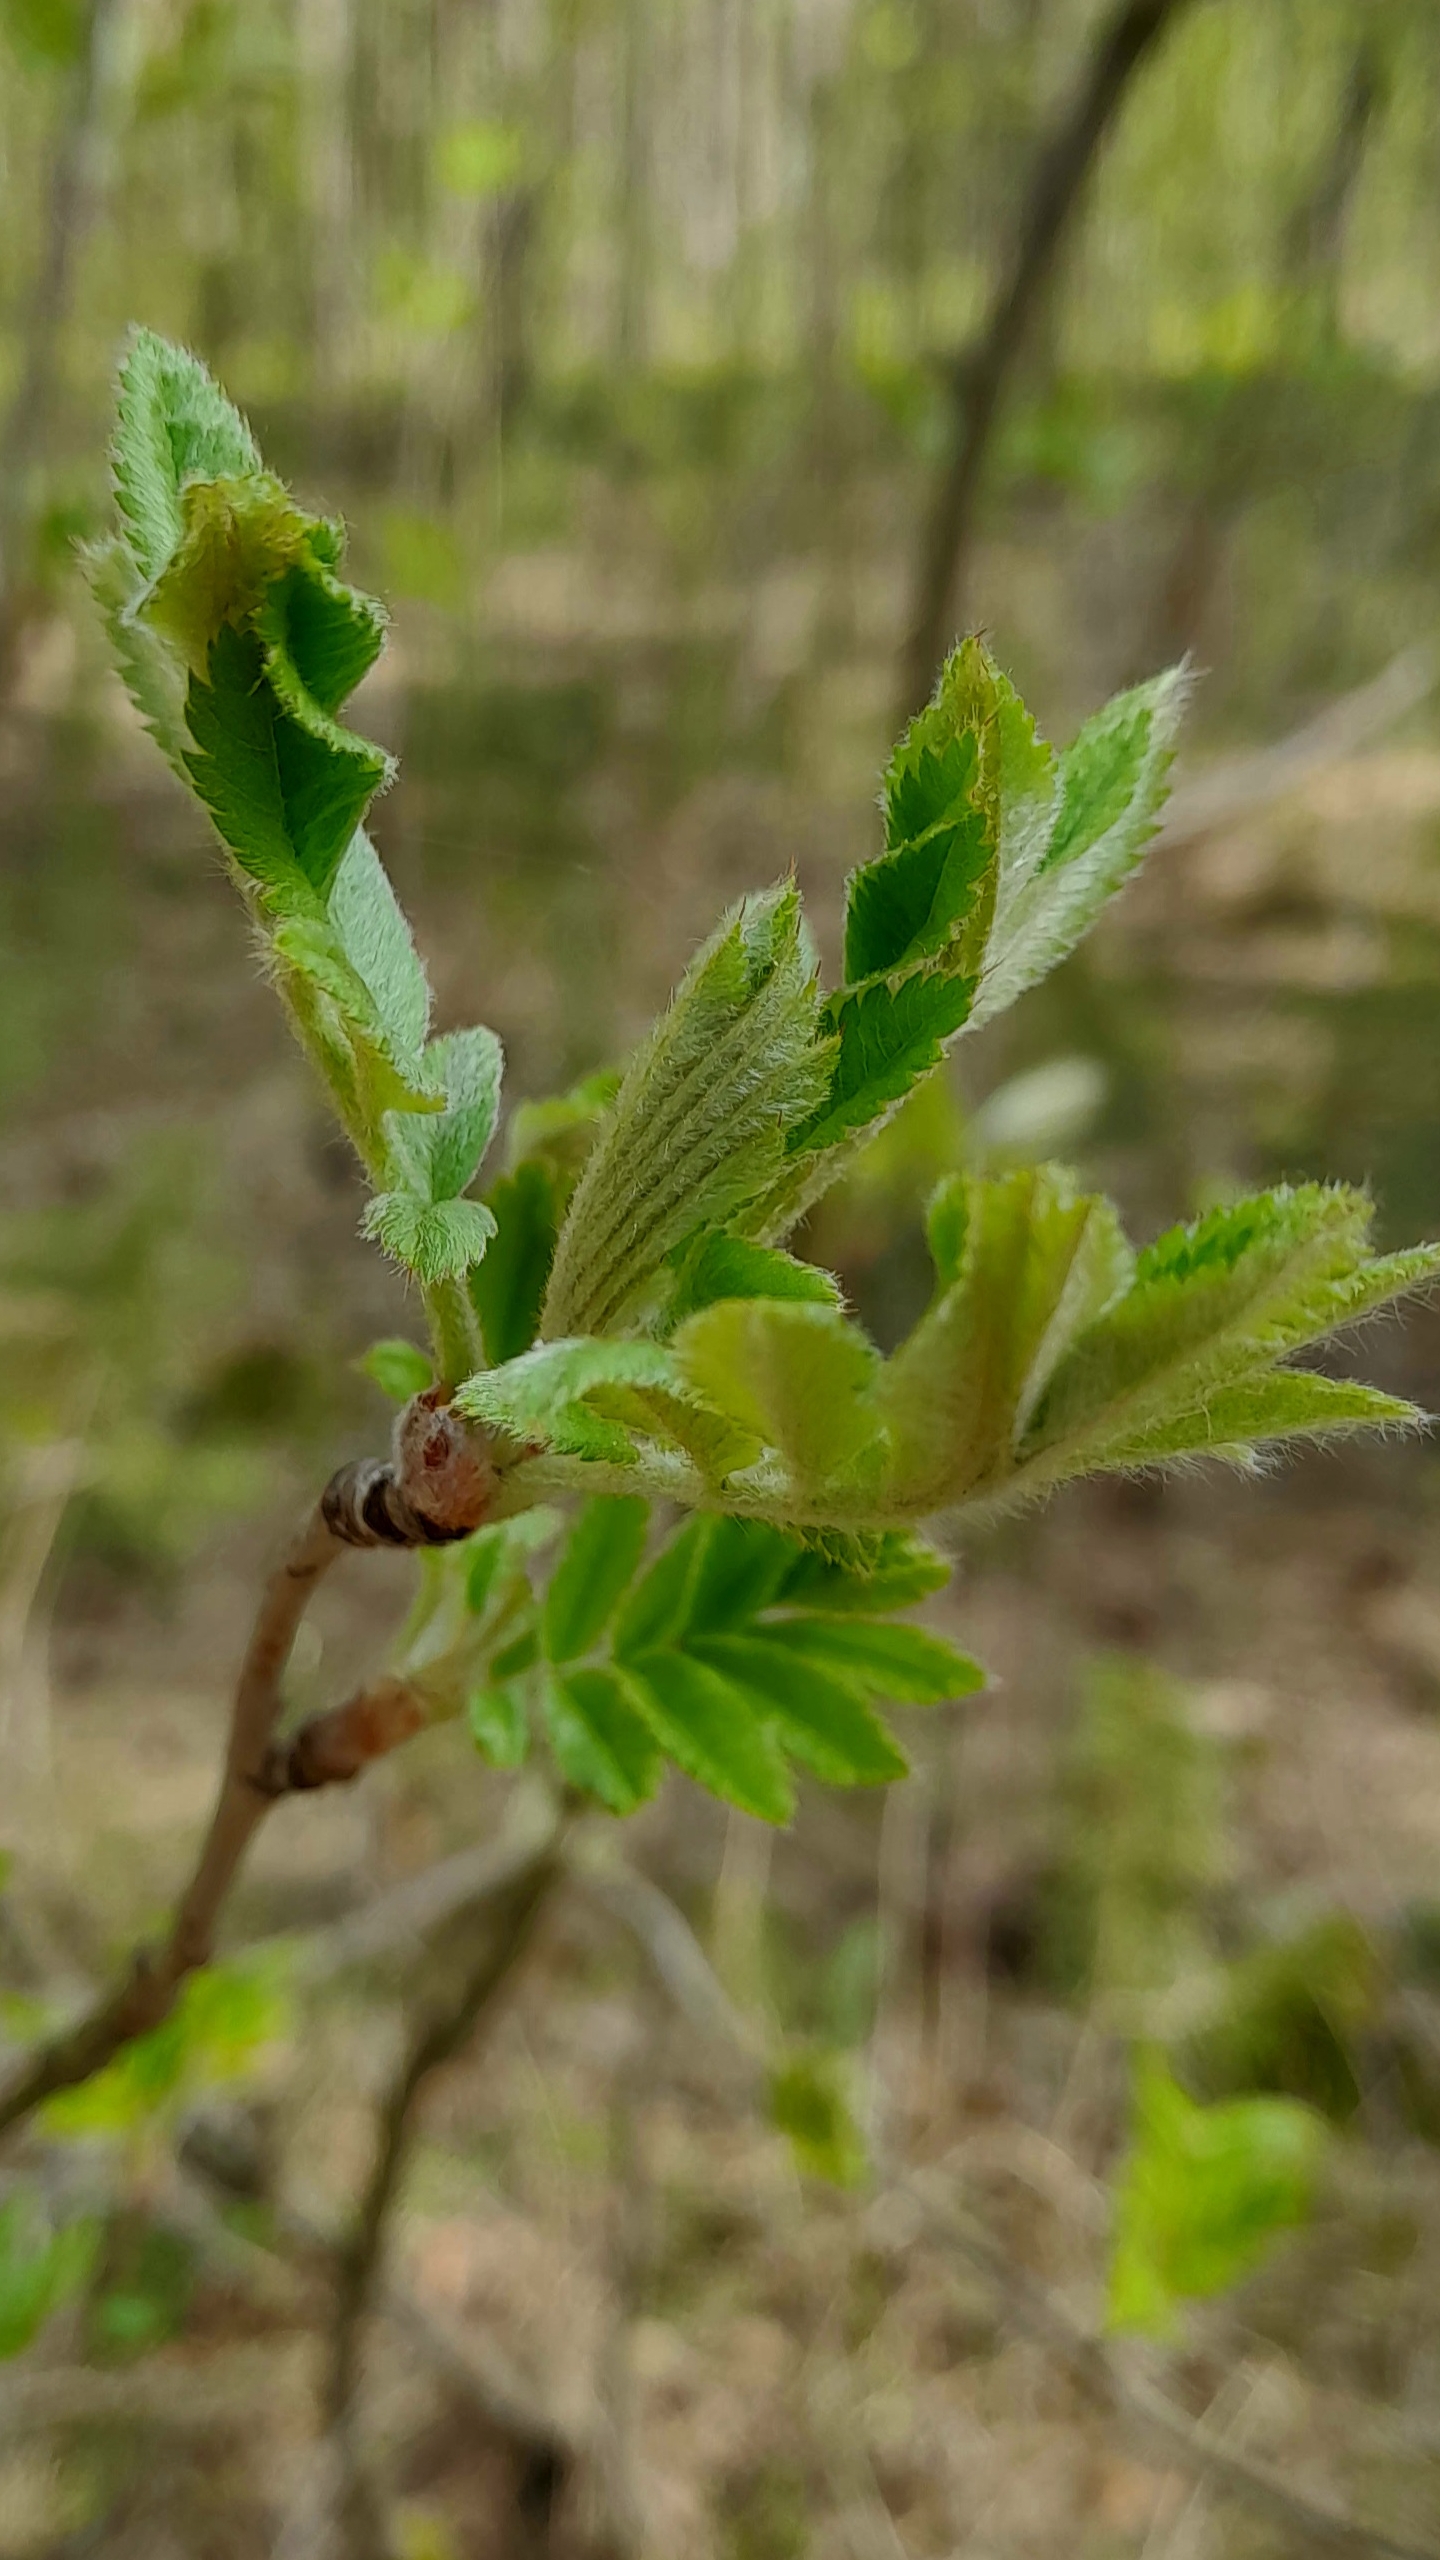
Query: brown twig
437,1486
508,1918
147,1993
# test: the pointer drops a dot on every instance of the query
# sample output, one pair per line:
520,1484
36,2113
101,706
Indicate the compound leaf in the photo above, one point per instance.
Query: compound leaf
819,1720
710,1729
600,1740
1212,1303
598,1563
906,1664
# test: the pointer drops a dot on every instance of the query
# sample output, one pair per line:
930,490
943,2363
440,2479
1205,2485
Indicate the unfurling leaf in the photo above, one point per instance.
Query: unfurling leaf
1111,788
544,1397
796,1375
399,1368
697,1130
436,1239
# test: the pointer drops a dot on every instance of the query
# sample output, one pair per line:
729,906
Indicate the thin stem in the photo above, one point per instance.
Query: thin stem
508,1920
147,1994
432,1491
455,1332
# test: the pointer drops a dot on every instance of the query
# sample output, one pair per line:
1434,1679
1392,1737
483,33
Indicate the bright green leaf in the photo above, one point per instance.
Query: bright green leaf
797,1375
436,1239
508,1287
817,1719
399,1368
1203,2194
597,1565
600,1741
709,1728
715,1266
498,1724
697,1130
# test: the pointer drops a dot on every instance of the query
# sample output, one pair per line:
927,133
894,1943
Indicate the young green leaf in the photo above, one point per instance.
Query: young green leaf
173,424
660,1608
914,898
710,1729
1033,1262
818,1719
715,1265
1203,2195
375,939
697,1130
600,1560
543,1396
498,1724
1213,1304
907,1664
863,1577
398,1368
797,1375
601,1739
508,1287
436,1239
1112,786
436,1157
887,1039
1286,1404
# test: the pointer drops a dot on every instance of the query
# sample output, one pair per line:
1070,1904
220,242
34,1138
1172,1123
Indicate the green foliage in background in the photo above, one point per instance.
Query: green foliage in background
1141,1843
125,1396
649,1337
1203,2194
220,2026
42,2265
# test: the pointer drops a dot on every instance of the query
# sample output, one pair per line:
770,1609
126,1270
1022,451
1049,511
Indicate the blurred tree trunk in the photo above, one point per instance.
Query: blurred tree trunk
1127,37
1238,445
26,432
325,38
632,316
1320,224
